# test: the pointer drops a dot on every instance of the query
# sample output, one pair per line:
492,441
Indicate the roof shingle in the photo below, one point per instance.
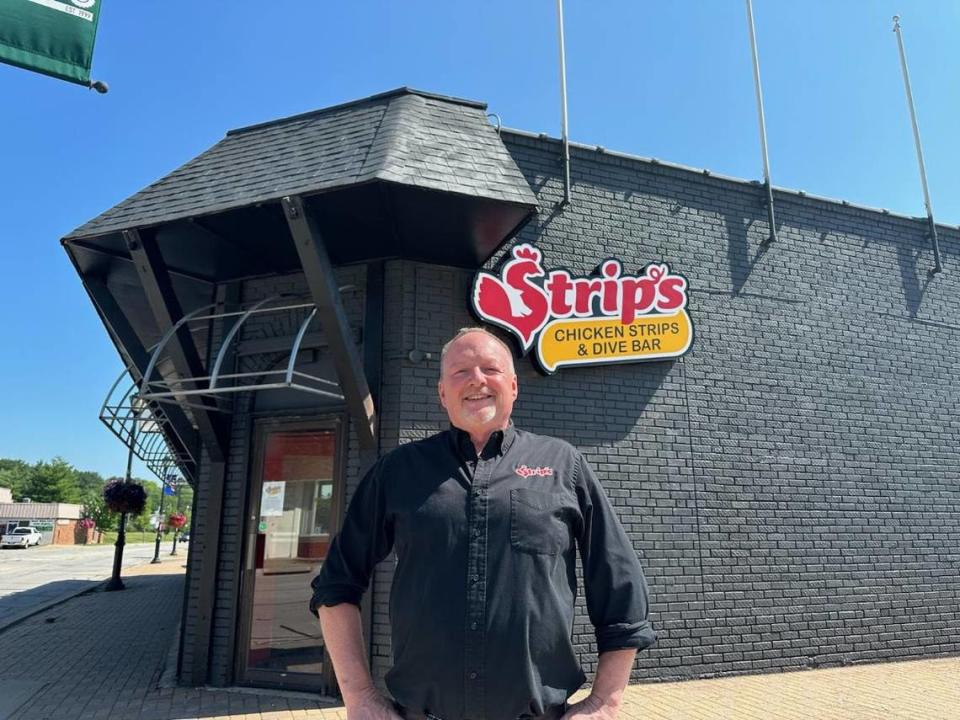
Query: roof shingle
403,136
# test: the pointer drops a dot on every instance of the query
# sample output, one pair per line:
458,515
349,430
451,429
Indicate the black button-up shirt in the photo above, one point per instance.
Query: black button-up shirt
482,602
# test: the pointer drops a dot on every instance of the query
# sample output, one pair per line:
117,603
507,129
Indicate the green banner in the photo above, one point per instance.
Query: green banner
53,37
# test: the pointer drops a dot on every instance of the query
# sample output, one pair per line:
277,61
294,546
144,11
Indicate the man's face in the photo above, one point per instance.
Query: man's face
477,384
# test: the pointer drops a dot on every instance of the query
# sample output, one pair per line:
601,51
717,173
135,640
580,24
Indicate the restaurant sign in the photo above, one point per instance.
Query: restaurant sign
606,317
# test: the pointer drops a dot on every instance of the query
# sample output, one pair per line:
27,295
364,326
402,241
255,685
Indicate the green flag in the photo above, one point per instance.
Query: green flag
53,37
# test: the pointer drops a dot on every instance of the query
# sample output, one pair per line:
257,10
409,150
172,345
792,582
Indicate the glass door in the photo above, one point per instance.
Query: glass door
294,514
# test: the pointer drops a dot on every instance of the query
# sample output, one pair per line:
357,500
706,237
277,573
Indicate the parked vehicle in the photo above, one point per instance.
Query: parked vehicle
185,537
21,537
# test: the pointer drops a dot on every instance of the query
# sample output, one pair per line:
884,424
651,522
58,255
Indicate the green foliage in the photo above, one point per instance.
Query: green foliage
97,509
90,485
15,474
132,536
54,481
58,481
170,504
142,521
184,503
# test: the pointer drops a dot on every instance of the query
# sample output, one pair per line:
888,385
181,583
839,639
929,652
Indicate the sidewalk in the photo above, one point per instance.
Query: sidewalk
39,583
101,655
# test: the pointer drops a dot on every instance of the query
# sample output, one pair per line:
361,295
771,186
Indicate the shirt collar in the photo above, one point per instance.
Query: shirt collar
498,444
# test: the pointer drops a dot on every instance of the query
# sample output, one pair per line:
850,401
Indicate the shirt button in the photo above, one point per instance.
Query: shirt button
473,676
476,532
476,578
473,626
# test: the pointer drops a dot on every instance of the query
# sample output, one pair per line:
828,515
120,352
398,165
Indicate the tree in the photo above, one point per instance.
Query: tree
90,484
54,481
96,509
14,474
185,502
143,521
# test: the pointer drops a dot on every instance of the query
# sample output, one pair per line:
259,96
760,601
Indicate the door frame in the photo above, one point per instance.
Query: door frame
262,428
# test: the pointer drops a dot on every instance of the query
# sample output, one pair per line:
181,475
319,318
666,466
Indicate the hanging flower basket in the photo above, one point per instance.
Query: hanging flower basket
125,497
87,523
177,520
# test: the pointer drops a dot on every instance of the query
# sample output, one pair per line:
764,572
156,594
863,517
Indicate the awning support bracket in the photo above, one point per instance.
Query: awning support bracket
321,280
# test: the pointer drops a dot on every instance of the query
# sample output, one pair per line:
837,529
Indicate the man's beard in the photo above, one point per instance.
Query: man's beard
484,415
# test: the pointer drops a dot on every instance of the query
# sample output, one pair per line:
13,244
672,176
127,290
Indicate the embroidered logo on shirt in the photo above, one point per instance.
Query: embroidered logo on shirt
525,471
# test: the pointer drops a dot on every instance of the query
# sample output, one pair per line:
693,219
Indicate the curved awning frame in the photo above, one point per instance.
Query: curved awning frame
143,428
154,387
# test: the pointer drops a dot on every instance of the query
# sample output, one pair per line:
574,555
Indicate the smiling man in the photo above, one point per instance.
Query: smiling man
486,520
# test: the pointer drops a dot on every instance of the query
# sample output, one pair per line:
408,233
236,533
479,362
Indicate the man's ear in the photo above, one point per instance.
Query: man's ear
440,394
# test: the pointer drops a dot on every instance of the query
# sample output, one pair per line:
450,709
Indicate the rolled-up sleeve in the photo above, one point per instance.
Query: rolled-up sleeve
616,590
365,539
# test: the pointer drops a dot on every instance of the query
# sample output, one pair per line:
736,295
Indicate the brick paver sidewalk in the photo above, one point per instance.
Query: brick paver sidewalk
101,655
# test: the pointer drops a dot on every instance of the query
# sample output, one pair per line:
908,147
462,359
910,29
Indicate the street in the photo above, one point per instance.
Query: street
37,576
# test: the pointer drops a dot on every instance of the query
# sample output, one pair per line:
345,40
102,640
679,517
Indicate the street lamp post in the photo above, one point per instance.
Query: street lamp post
115,582
156,545
176,530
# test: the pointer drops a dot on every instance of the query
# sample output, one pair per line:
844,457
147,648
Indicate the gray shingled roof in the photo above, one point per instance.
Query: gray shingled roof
404,136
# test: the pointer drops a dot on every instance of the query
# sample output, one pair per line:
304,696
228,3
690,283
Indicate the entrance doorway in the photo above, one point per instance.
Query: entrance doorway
294,503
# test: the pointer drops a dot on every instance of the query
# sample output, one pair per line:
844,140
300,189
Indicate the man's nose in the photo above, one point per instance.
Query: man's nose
476,376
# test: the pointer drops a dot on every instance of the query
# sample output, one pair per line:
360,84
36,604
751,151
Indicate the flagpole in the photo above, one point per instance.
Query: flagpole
763,124
938,267
564,134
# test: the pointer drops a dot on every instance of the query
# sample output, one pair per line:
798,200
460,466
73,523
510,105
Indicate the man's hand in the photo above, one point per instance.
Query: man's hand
591,707
371,705
344,640
606,695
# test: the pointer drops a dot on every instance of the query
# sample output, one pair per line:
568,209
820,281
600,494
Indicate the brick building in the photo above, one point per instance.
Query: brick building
57,522
790,482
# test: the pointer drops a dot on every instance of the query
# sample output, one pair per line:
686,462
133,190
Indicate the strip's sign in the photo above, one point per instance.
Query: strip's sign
607,317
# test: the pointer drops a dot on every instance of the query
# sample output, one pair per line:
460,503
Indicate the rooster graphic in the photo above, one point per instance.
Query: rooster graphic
514,301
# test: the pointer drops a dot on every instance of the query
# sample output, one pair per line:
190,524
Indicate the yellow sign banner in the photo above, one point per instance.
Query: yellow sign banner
591,341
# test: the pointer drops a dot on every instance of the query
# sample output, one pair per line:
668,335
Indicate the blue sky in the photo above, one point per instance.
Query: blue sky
670,80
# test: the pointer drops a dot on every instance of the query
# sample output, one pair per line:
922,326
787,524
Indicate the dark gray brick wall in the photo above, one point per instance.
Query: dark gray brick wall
191,593
791,485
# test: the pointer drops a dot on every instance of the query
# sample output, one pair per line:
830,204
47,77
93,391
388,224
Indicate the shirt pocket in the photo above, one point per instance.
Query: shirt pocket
536,522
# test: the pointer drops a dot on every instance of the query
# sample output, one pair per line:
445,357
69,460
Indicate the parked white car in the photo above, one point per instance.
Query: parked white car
22,537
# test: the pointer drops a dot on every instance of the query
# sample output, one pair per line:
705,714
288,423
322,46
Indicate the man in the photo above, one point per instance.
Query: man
484,519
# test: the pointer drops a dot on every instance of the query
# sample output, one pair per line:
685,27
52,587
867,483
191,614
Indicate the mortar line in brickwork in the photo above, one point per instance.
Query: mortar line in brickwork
693,474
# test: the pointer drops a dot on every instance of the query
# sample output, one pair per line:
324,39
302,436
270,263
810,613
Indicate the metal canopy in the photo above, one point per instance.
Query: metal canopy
219,381
143,427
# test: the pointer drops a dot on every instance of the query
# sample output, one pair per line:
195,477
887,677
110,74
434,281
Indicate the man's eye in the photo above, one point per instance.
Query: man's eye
492,371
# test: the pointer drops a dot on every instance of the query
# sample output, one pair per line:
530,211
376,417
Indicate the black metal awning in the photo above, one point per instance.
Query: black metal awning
405,174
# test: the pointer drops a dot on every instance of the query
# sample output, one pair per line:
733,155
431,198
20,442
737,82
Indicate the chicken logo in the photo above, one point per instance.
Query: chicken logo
514,301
